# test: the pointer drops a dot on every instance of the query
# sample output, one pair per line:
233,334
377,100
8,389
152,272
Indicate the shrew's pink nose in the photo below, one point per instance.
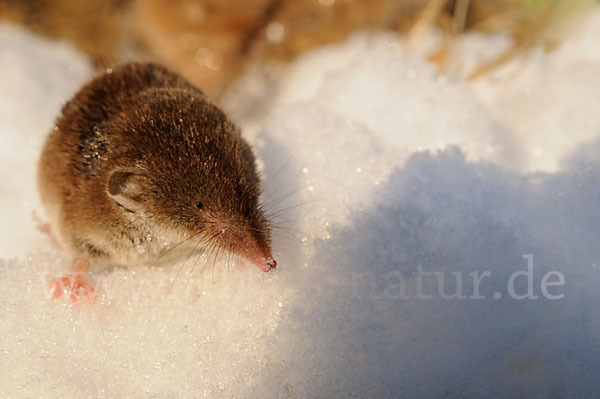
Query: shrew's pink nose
270,263
266,264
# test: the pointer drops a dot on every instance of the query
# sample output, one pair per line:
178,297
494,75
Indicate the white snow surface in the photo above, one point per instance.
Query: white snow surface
376,167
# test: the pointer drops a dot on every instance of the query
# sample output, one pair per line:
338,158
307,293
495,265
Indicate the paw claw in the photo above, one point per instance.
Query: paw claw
73,286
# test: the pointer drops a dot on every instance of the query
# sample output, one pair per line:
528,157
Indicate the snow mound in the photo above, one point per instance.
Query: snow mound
38,76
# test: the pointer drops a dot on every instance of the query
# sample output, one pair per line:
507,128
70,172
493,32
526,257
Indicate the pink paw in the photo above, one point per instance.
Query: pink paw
74,286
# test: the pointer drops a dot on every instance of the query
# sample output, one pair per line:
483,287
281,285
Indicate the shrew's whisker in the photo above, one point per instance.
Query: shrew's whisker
181,242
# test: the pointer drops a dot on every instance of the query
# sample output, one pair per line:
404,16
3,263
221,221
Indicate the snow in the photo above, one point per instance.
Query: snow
378,170
37,77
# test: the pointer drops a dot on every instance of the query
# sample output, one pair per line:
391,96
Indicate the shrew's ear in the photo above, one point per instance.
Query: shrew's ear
125,186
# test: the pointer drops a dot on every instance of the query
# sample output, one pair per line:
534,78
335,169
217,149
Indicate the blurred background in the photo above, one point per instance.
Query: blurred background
212,42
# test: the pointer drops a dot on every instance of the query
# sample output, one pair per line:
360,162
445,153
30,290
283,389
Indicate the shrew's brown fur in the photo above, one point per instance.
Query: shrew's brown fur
139,157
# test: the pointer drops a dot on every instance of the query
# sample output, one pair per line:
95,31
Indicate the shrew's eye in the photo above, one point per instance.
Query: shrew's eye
199,205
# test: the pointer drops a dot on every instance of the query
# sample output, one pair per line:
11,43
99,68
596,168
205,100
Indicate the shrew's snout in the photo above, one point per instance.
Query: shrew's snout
252,244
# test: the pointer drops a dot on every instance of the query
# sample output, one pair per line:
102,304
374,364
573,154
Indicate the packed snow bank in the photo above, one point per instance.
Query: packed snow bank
392,180
363,321
37,77
546,100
